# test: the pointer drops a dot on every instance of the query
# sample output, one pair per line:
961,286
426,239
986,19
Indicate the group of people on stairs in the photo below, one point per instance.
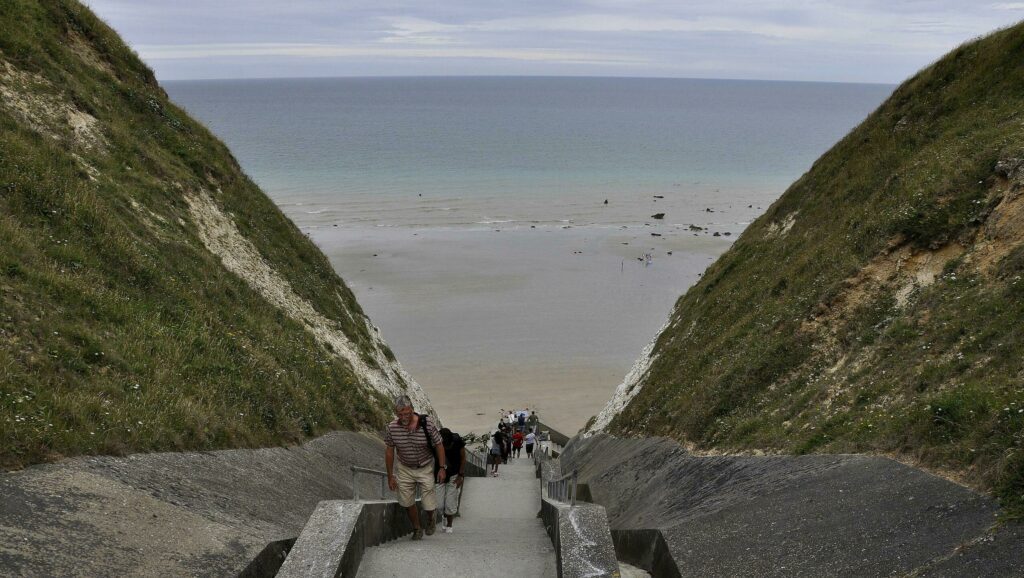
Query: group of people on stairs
516,428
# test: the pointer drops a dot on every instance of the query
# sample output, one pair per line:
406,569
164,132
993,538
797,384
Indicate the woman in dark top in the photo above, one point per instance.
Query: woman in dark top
455,464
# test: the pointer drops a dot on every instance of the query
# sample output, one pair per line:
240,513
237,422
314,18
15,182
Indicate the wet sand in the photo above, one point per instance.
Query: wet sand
550,318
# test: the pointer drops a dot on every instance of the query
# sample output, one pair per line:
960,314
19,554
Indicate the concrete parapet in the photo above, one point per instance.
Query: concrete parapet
556,436
339,531
582,542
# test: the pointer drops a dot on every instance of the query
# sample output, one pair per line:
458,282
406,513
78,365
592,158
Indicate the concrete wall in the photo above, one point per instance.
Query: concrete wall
339,531
580,533
581,539
269,560
645,549
788,515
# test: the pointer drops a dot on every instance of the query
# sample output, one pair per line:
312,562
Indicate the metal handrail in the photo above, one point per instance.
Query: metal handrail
358,470
476,459
561,489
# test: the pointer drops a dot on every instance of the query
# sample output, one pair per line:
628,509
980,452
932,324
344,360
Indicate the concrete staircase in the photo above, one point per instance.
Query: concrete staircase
498,532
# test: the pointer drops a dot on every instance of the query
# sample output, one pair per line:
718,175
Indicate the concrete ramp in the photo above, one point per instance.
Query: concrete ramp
497,533
816,515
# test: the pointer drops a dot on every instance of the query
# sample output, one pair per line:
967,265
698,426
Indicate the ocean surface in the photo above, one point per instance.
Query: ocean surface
469,214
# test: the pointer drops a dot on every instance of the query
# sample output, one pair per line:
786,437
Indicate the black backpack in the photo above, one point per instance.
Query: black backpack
426,435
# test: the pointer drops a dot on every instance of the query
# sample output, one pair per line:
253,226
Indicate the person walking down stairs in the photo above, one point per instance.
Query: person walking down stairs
517,443
416,441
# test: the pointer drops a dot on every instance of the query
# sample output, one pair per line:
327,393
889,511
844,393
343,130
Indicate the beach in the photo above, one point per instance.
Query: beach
548,316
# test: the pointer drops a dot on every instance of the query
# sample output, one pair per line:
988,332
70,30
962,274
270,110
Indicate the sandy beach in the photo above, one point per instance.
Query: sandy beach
549,316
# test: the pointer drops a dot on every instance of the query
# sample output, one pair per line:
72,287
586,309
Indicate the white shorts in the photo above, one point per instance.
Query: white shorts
449,497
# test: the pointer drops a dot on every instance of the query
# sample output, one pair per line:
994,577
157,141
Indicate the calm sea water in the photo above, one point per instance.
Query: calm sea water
485,147
469,214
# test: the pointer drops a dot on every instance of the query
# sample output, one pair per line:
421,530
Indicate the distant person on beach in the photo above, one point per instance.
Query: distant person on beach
517,443
532,422
455,459
497,443
531,438
415,439
521,421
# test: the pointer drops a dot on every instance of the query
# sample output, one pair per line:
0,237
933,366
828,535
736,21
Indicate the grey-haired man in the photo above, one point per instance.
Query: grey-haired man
416,441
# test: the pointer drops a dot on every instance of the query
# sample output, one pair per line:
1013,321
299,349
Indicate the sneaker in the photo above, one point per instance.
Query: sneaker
417,534
448,530
431,524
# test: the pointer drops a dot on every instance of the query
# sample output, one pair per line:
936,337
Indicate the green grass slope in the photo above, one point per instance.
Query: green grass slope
119,329
878,306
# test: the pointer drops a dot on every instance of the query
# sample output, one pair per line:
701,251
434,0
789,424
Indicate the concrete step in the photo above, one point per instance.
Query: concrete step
498,532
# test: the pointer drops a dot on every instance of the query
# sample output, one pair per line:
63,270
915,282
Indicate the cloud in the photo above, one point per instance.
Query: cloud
610,23
203,51
880,40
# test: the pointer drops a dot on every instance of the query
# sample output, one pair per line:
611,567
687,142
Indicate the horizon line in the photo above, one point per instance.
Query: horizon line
521,76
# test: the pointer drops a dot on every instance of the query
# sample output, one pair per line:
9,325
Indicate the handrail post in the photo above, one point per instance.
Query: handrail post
355,486
355,483
564,489
575,475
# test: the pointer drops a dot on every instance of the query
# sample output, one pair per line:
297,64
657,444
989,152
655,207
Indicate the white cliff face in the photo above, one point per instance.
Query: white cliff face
628,389
222,238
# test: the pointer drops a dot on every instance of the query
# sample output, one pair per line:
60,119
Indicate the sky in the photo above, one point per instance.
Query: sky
881,41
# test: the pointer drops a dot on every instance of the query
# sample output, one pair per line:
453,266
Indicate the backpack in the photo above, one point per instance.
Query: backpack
426,435
430,447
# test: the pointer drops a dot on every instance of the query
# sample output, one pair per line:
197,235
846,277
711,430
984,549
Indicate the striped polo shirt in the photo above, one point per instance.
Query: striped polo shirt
411,446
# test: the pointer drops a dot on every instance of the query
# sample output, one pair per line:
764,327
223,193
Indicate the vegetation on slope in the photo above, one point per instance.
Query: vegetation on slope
119,330
878,306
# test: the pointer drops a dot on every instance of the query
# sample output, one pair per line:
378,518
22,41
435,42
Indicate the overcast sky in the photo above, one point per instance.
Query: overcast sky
829,40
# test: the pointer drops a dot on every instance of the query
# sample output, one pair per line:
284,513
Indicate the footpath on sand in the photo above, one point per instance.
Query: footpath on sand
498,528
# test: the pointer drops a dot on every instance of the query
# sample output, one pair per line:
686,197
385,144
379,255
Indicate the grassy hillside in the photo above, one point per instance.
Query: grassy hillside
878,306
151,296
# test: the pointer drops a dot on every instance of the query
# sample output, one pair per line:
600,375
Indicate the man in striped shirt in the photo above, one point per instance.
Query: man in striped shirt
416,441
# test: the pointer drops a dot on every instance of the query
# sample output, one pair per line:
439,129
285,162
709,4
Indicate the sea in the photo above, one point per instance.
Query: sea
519,240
